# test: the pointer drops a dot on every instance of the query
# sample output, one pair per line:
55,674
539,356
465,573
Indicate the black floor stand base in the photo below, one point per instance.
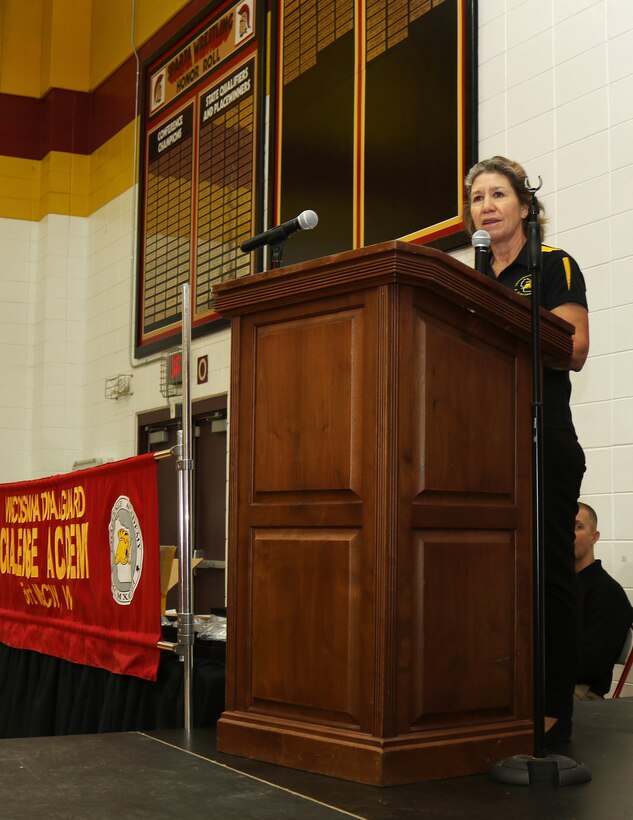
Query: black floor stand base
525,770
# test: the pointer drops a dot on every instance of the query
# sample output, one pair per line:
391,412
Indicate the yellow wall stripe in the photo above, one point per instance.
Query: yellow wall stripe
67,184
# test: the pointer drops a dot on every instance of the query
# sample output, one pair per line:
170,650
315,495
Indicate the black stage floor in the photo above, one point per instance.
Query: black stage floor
172,774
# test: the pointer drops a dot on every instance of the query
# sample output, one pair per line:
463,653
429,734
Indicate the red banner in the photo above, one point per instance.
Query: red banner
80,567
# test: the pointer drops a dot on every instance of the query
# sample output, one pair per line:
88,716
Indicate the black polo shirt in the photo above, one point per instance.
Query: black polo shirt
606,618
561,282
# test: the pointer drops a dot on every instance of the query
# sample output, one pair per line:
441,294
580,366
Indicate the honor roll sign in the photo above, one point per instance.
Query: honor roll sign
79,566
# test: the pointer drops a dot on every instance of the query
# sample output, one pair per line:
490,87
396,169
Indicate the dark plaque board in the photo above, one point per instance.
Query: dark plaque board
316,147
374,120
199,156
361,110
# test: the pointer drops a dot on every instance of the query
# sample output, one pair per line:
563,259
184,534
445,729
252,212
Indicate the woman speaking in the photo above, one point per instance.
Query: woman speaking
497,201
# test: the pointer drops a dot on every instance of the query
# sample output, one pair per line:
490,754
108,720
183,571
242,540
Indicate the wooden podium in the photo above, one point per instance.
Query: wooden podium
379,599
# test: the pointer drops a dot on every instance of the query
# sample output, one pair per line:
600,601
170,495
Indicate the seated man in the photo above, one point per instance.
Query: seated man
606,612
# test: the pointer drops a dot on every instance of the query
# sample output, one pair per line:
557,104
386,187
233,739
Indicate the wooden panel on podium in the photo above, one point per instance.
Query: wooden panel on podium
379,600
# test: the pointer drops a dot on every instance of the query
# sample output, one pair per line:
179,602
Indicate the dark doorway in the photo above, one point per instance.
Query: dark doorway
158,431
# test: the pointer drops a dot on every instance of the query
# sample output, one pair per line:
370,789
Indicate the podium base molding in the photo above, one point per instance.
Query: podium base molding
372,760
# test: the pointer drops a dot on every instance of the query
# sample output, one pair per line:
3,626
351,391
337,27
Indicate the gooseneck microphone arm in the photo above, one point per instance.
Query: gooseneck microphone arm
275,237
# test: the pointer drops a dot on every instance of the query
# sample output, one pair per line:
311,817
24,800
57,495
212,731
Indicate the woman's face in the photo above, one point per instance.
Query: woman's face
495,207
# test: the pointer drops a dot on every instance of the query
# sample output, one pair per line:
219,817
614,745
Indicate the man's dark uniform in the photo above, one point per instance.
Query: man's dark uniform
607,614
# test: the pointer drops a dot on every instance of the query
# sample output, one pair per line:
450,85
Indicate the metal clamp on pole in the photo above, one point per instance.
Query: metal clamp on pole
185,629
169,646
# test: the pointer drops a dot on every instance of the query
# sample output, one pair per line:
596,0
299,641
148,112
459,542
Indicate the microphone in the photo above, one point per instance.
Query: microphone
304,222
481,242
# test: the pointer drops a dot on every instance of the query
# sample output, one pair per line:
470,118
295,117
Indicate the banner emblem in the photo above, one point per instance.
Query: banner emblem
126,550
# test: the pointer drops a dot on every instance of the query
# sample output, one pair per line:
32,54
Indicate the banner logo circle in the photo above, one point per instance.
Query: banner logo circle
126,550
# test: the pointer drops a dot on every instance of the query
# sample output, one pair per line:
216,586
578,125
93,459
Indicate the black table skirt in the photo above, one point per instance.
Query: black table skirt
41,695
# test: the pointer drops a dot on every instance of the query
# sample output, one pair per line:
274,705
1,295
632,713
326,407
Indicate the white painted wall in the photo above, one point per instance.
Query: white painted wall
556,93
65,319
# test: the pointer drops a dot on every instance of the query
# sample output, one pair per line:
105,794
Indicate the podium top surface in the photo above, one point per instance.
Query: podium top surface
390,264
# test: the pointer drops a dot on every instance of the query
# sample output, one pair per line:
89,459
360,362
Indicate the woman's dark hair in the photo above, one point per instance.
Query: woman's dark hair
516,176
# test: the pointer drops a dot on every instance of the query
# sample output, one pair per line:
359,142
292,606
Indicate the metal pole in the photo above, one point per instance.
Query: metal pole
185,469
538,531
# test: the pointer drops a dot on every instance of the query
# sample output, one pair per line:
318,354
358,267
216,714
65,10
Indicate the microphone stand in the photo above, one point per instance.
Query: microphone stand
274,238
275,252
535,266
523,769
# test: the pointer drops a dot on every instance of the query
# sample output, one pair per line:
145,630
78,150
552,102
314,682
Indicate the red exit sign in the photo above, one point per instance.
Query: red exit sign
174,368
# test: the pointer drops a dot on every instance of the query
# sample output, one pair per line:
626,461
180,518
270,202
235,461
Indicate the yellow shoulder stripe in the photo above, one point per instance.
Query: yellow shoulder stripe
566,263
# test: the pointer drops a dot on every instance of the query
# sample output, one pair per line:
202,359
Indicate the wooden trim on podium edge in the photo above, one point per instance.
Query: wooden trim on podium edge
393,262
363,759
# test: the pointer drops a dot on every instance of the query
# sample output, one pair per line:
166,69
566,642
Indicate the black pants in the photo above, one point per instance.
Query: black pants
563,469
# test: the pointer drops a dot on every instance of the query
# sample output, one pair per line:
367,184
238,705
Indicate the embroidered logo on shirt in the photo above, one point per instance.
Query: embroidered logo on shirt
524,286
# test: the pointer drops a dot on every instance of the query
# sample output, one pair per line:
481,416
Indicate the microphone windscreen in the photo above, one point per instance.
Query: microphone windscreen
481,239
307,220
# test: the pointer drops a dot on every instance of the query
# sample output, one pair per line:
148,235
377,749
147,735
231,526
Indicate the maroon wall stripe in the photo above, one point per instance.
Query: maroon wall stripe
112,104
75,121
64,122
19,126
